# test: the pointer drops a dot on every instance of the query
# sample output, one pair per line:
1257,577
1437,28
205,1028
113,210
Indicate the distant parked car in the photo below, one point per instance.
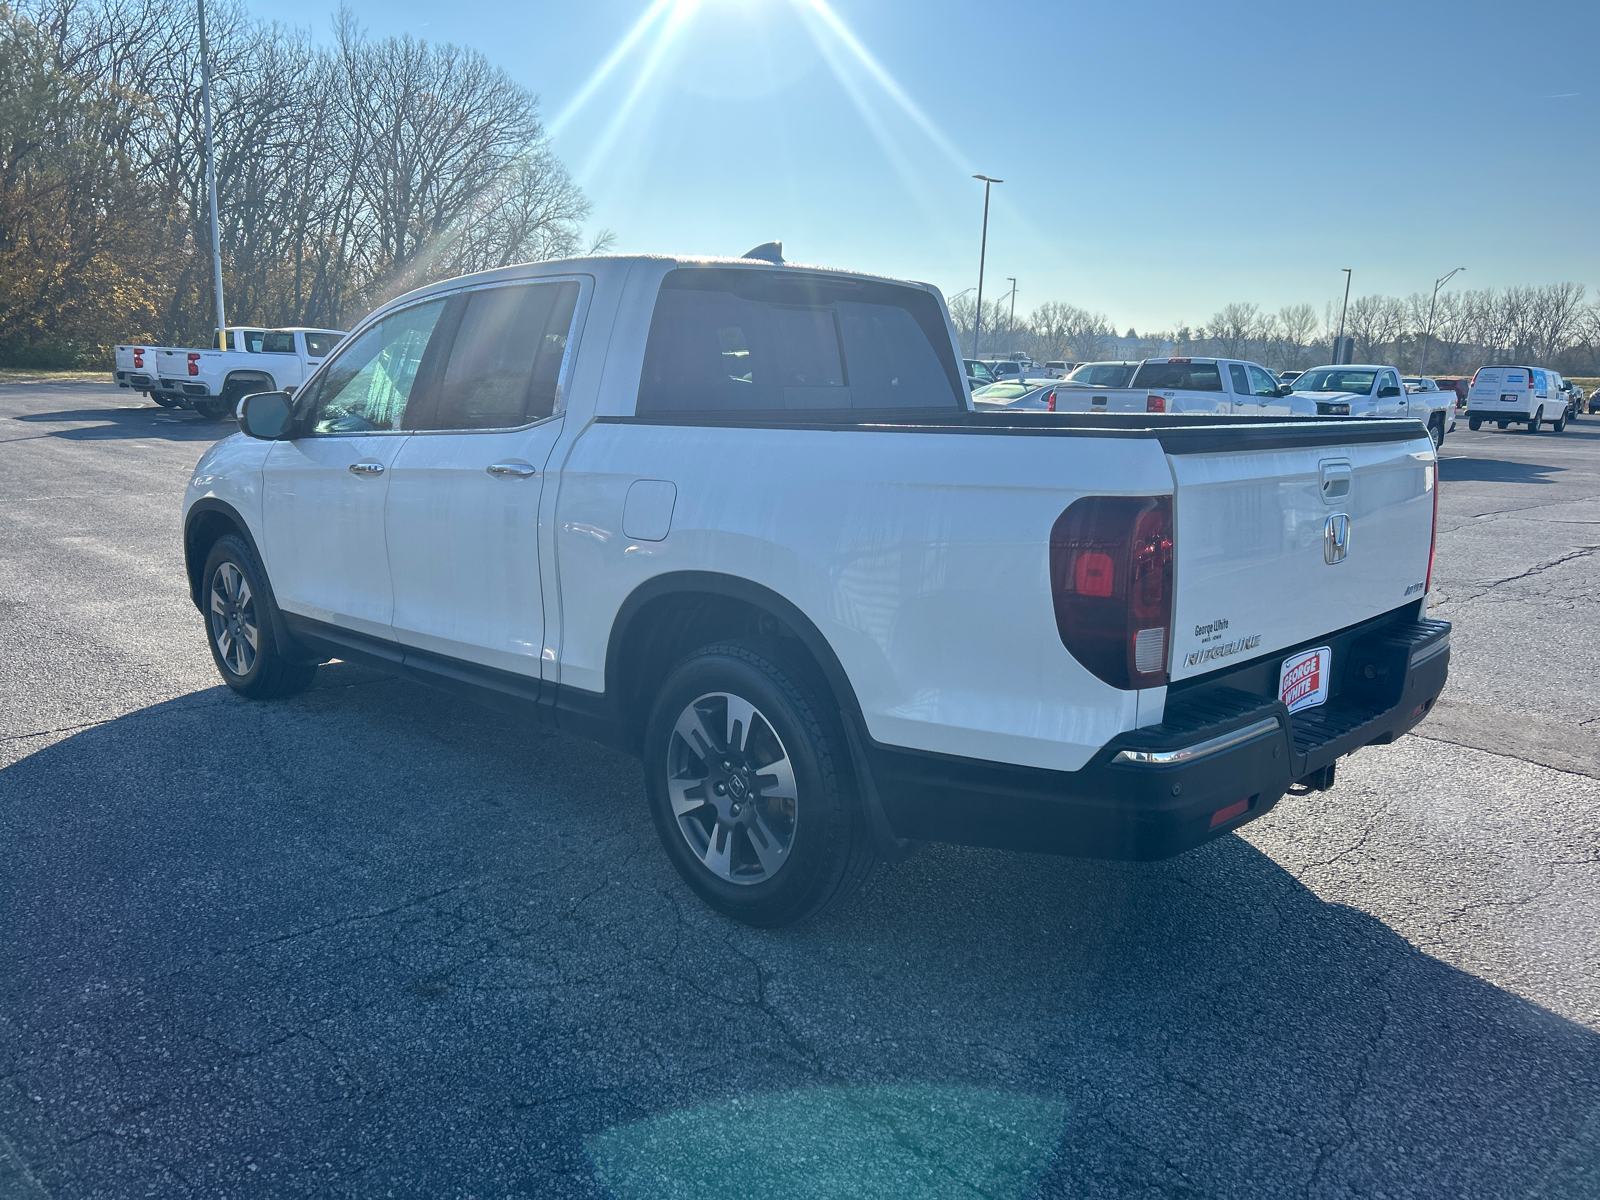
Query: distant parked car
1058,369
1457,384
1289,376
978,373
1015,397
1007,369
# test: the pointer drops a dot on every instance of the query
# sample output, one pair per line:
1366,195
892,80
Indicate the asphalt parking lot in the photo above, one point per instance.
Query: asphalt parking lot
371,941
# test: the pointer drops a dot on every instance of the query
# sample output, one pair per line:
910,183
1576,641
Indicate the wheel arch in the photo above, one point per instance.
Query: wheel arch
670,615
249,377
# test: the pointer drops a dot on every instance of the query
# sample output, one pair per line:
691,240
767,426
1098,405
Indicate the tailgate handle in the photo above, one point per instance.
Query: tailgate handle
1335,480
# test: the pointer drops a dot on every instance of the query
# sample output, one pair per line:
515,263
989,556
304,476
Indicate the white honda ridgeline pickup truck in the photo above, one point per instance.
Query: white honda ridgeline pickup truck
738,518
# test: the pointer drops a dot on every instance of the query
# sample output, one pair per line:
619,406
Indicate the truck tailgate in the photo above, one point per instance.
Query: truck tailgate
1119,400
1259,560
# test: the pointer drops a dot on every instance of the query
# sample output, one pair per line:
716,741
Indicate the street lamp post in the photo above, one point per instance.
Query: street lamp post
1428,332
983,254
1338,341
1011,321
211,177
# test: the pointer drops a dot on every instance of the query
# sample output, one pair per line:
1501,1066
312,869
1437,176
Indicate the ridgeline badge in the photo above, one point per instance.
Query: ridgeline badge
1226,650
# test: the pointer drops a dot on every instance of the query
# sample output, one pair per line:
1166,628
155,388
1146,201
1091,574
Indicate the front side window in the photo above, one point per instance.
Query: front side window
726,340
367,387
277,343
505,362
1261,383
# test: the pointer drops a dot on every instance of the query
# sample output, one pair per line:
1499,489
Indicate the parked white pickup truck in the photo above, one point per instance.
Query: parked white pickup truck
739,518
1374,390
134,366
258,360
1192,385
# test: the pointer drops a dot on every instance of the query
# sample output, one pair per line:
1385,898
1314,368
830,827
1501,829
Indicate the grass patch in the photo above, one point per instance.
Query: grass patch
50,375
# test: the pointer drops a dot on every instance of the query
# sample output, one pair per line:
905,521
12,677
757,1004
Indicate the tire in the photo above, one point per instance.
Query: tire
1503,424
1535,421
163,401
210,408
237,602
1436,431
1559,425
743,846
1474,424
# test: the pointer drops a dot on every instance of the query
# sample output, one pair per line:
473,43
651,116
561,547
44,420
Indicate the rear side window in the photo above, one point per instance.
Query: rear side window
1179,376
505,361
320,345
746,340
277,343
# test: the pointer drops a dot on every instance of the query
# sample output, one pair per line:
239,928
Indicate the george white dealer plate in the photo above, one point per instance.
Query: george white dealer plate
1303,680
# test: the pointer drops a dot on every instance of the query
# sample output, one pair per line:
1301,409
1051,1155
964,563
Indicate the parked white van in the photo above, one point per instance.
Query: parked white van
1526,396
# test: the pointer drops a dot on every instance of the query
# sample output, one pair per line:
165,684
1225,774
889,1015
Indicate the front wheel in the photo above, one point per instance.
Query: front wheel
239,625
746,769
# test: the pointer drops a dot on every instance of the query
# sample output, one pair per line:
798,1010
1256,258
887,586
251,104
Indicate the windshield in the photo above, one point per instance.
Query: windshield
1336,379
1115,375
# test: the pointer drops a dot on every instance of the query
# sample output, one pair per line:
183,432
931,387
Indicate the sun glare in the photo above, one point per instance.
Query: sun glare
859,74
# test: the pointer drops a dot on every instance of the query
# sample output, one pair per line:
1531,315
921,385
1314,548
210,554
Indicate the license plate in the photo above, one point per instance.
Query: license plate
1303,679
1504,399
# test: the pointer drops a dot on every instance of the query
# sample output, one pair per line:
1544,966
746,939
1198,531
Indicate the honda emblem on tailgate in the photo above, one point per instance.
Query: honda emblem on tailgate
1336,538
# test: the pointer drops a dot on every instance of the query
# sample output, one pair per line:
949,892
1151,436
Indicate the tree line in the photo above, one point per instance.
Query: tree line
347,173
1548,325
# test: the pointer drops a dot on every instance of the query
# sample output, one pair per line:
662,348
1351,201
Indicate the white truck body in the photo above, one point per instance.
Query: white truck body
1368,390
913,547
1224,386
257,360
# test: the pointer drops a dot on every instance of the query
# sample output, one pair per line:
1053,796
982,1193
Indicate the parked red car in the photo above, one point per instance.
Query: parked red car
1458,386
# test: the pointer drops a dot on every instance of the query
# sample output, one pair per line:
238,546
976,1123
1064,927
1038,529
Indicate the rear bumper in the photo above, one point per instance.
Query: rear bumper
1221,758
1500,414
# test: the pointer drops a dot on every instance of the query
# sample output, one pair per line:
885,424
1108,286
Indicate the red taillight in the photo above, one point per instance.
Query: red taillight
1050,401
1433,536
1111,579
138,357
194,364
1155,404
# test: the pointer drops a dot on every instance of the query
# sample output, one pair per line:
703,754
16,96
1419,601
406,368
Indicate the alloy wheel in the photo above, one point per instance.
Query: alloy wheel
233,619
732,788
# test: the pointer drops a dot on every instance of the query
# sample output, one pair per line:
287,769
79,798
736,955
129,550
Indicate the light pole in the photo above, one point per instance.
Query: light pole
1426,333
211,177
1011,321
983,254
1338,341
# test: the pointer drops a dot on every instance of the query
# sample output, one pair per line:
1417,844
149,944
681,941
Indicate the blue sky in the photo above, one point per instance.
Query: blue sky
1161,159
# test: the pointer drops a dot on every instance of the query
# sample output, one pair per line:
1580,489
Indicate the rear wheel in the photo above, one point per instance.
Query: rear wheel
1503,424
239,625
1534,422
1436,431
211,408
746,769
1474,424
163,400
1559,425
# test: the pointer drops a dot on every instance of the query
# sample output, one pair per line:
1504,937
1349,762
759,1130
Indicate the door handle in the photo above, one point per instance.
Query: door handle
512,470
366,467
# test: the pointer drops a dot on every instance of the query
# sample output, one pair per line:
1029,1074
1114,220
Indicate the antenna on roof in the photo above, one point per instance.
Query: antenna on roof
771,252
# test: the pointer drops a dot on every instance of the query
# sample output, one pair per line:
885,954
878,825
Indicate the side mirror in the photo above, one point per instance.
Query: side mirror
1283,390
1387,393
265,415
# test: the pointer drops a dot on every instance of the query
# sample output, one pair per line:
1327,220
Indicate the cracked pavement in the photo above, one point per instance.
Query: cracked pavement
371,941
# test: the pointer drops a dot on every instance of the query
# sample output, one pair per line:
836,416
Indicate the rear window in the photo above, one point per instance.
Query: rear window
739,340
1111,375
1190,377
